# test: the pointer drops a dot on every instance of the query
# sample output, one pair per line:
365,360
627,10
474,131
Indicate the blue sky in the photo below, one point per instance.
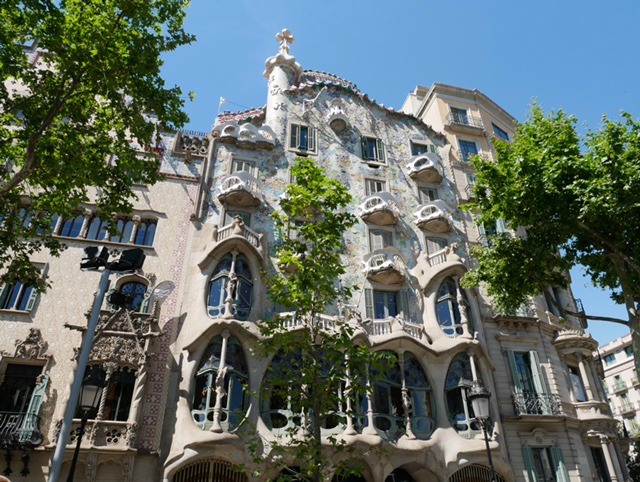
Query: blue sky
581,56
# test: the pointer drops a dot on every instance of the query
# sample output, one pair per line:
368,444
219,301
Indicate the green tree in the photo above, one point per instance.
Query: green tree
71,108
317,353
633,461
578,199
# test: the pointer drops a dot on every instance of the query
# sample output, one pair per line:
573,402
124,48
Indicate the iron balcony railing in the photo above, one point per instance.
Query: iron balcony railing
619,386
19,429
465,120
536,404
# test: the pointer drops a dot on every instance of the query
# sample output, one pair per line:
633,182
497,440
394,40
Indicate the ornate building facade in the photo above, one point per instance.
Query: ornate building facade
183,383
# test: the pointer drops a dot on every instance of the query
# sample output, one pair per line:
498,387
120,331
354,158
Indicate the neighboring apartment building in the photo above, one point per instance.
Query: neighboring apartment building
184,384
621,383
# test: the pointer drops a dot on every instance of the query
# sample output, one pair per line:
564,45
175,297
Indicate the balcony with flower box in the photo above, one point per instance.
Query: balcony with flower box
426,168
240,189
385,266
434,217
380,209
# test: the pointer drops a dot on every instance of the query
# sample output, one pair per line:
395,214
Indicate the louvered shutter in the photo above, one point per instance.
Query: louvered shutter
33,297
363,146
514,371
380,150
295,135
501,227
311,139
4,293
562,475
30,421
368,300
403,304
387,238
538,376
529,463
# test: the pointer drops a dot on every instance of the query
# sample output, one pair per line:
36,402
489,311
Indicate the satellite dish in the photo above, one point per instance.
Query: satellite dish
162,291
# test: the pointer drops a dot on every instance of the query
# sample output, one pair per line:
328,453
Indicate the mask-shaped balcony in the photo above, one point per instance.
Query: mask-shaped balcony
385,266
434,217
240,189
380,209
426,168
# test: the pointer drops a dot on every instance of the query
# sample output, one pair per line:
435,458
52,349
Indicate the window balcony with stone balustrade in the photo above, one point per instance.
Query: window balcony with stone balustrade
240,189
385,266
426,168
434,217
380,209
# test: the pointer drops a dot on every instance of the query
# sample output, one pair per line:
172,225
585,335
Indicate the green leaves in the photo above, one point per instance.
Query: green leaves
323,359
578,206
92,88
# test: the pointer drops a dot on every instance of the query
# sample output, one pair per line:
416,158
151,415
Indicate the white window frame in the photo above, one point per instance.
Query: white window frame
368,180
402,302
242,162
380,154
421,198
430,147
294,137
478,149
383,233
226,211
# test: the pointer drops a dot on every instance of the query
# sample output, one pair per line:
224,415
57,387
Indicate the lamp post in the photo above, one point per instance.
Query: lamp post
94,259
90,394
479,397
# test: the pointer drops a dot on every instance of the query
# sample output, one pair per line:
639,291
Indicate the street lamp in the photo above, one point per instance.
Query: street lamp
95,259
479,397
90,394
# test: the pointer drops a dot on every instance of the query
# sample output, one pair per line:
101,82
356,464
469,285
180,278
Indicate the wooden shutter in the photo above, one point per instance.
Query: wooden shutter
37,397
311,139
368,300
33,297
562,475
375,238
295,136
4,292
403,304
538,375
517,383
380,150
529,463
363,146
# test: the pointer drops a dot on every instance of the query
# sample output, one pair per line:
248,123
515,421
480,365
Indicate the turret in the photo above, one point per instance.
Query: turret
282,71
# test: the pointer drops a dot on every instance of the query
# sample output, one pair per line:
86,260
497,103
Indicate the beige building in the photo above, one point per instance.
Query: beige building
621,383
183,384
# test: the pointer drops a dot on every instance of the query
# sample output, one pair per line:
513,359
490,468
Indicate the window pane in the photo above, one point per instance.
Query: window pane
502,134
17,386
417,149
304,138
71,227
230,215
136,291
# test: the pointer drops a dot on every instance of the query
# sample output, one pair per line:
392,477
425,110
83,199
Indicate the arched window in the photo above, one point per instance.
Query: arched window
459,380
447,309
223,364
125,229
117,393
71,227
279,411
399,475
405,378
139,300
231,287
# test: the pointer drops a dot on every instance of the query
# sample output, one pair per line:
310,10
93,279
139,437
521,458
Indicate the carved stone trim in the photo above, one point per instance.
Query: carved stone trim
31,347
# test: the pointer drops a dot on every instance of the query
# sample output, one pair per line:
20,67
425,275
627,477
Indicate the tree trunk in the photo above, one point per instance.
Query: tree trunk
630,301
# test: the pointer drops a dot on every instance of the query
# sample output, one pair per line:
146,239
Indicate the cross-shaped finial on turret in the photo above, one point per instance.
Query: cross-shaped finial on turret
286,39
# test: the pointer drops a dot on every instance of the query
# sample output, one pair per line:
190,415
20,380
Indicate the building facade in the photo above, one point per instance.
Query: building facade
621,383
183,384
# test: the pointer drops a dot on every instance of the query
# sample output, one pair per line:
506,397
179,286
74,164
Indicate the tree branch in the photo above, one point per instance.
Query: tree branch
611,246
